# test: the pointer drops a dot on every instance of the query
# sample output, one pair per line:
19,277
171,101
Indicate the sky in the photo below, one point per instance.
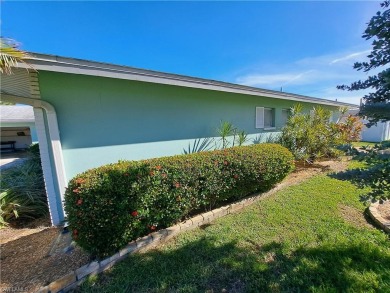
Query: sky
305,47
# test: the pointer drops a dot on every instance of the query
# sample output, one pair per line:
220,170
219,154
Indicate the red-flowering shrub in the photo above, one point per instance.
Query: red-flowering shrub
117,203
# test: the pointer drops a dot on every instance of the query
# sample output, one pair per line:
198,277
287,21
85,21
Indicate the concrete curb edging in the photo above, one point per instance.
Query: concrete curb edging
377,218
77,277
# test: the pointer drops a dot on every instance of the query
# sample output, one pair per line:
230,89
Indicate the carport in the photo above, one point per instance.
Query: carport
22,87
17,127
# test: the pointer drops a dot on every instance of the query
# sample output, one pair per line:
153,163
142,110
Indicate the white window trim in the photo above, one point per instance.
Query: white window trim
259,121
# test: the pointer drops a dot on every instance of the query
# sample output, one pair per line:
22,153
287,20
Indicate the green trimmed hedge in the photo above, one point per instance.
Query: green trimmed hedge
111,205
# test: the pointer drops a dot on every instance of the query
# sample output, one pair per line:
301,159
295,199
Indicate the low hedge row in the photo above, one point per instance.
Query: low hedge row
111,205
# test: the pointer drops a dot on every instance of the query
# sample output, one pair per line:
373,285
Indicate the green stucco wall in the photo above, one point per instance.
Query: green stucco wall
102,120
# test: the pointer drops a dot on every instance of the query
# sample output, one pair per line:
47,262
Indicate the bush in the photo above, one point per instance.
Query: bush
22,191
312,136
111,205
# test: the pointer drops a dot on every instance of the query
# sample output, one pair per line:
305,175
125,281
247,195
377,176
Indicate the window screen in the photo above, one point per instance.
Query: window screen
268,117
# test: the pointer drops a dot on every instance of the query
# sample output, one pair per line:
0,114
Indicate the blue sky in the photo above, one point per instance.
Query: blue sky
305,47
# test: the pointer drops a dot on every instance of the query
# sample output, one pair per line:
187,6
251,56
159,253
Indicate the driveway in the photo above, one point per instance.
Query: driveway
11,159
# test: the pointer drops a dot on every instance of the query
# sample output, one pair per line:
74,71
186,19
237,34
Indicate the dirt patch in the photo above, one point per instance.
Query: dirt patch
335,166
304,171
30,259
384,210
354,216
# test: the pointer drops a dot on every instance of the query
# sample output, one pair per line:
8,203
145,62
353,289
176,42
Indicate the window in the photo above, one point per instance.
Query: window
265,117
269,120
285,116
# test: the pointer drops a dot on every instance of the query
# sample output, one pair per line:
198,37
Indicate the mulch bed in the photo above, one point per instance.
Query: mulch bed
32,256
29,258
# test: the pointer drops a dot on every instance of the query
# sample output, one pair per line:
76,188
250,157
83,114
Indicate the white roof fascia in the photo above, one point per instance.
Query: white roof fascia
77,66
16,120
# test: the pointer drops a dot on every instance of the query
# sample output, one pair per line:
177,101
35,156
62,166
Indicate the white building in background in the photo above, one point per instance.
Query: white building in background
17,125
376,133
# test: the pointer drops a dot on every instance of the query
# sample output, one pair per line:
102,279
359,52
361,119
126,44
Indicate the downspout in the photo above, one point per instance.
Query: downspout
54,134
54,138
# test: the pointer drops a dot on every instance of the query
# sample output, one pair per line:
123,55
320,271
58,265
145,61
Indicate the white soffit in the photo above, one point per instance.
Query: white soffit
17,83
16,113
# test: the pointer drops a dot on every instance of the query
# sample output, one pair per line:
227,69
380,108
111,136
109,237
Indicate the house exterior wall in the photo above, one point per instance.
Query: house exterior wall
103,120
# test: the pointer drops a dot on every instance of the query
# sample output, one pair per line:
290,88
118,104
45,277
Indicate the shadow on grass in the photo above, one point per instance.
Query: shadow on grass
206,265
356,176
361,177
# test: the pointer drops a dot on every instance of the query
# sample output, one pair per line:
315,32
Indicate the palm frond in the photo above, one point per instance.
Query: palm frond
200,145
10,55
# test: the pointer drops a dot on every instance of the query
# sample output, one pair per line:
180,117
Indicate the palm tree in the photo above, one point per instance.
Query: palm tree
10,55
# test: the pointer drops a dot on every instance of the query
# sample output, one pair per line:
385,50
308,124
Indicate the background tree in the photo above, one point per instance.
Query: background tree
376,104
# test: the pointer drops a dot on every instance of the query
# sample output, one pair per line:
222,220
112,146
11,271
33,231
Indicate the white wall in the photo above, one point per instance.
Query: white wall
376,133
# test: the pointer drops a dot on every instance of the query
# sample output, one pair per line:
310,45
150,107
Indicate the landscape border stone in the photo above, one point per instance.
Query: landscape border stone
377,218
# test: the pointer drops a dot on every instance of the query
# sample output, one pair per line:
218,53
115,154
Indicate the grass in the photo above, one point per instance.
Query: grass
363,143
311,237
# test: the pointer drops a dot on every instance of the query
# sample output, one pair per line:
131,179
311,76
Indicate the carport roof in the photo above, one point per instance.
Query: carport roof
16,114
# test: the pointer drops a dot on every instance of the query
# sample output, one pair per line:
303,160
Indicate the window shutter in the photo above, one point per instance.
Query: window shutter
259,117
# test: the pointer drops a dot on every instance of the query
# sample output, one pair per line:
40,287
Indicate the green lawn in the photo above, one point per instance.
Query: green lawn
363,143
311,237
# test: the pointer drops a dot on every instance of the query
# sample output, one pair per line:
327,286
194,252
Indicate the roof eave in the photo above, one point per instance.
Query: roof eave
77,66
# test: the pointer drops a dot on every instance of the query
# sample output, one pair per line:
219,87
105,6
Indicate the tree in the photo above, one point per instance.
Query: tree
10,55
376,104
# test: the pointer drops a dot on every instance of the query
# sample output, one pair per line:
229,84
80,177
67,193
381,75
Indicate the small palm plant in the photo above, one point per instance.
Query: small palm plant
225,130
199,145
242,137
